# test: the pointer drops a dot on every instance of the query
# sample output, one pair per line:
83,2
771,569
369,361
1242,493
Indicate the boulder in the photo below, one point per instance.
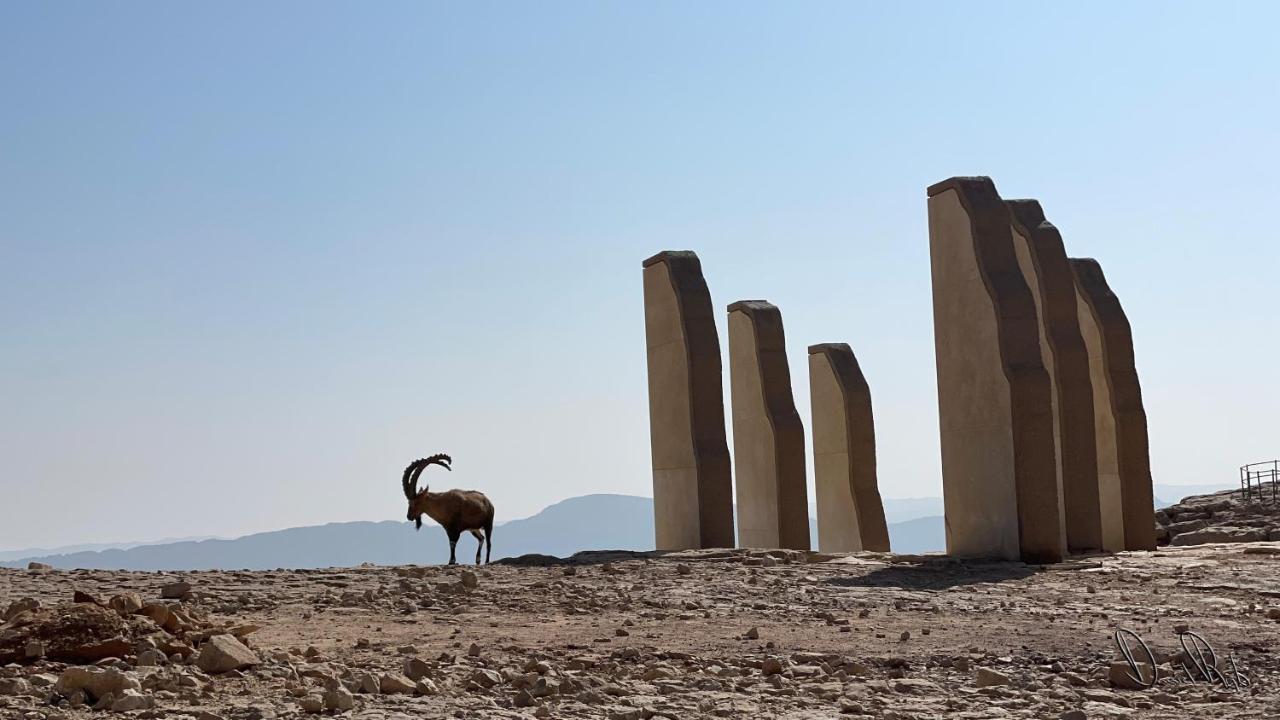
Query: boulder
175,590
158,612
95,682
129,700
484,678
224,653
416,669
394,683
986,677
339,699
14,686
17,607
126,603
73,633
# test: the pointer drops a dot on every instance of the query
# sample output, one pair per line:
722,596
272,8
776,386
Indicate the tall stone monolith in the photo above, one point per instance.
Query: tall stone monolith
768,437
850,513
1045,267
995,404
692,483
1121,419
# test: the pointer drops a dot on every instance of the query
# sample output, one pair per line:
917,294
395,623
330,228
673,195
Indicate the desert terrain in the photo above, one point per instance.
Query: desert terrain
701,634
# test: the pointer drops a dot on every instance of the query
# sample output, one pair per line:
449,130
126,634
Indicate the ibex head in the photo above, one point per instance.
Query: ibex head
410,482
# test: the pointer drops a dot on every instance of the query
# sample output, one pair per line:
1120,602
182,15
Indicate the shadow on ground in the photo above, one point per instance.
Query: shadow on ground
937,574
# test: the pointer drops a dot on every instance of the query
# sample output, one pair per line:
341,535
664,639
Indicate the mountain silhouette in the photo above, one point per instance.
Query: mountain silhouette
589,522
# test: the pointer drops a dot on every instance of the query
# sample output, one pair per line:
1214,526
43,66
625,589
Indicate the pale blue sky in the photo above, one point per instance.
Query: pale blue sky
256,257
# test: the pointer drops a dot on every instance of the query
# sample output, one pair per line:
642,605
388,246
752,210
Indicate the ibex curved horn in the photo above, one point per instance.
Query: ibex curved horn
415,468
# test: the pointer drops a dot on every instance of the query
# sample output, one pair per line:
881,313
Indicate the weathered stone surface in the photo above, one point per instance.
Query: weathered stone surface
224,653
768,437
999,469
850,512
692,484
1043,260
1110,344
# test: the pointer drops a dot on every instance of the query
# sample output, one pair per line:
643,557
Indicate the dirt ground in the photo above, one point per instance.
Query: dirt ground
721,634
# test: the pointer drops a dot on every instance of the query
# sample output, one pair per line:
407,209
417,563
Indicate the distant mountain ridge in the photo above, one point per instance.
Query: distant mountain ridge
9,555
589,522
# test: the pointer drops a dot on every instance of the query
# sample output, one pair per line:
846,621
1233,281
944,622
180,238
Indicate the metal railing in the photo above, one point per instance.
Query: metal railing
1254,475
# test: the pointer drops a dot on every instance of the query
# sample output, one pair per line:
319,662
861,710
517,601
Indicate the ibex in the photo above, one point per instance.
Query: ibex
455,510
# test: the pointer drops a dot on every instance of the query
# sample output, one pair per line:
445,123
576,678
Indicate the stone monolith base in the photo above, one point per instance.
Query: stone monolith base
850,513
768,438
1045,267
692,483
999,470
1122,420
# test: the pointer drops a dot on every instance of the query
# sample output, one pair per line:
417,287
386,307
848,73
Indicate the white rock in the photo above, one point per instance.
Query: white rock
96,682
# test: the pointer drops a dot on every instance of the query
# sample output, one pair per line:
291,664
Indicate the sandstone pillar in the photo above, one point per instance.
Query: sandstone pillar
850,514
999,471
1122,421
1045,267
768,438
692,484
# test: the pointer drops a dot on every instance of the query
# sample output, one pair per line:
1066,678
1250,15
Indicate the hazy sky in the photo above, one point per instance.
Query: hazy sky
254,257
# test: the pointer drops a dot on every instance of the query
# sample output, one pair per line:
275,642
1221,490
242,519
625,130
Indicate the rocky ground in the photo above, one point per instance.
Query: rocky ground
1223,517
708,634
